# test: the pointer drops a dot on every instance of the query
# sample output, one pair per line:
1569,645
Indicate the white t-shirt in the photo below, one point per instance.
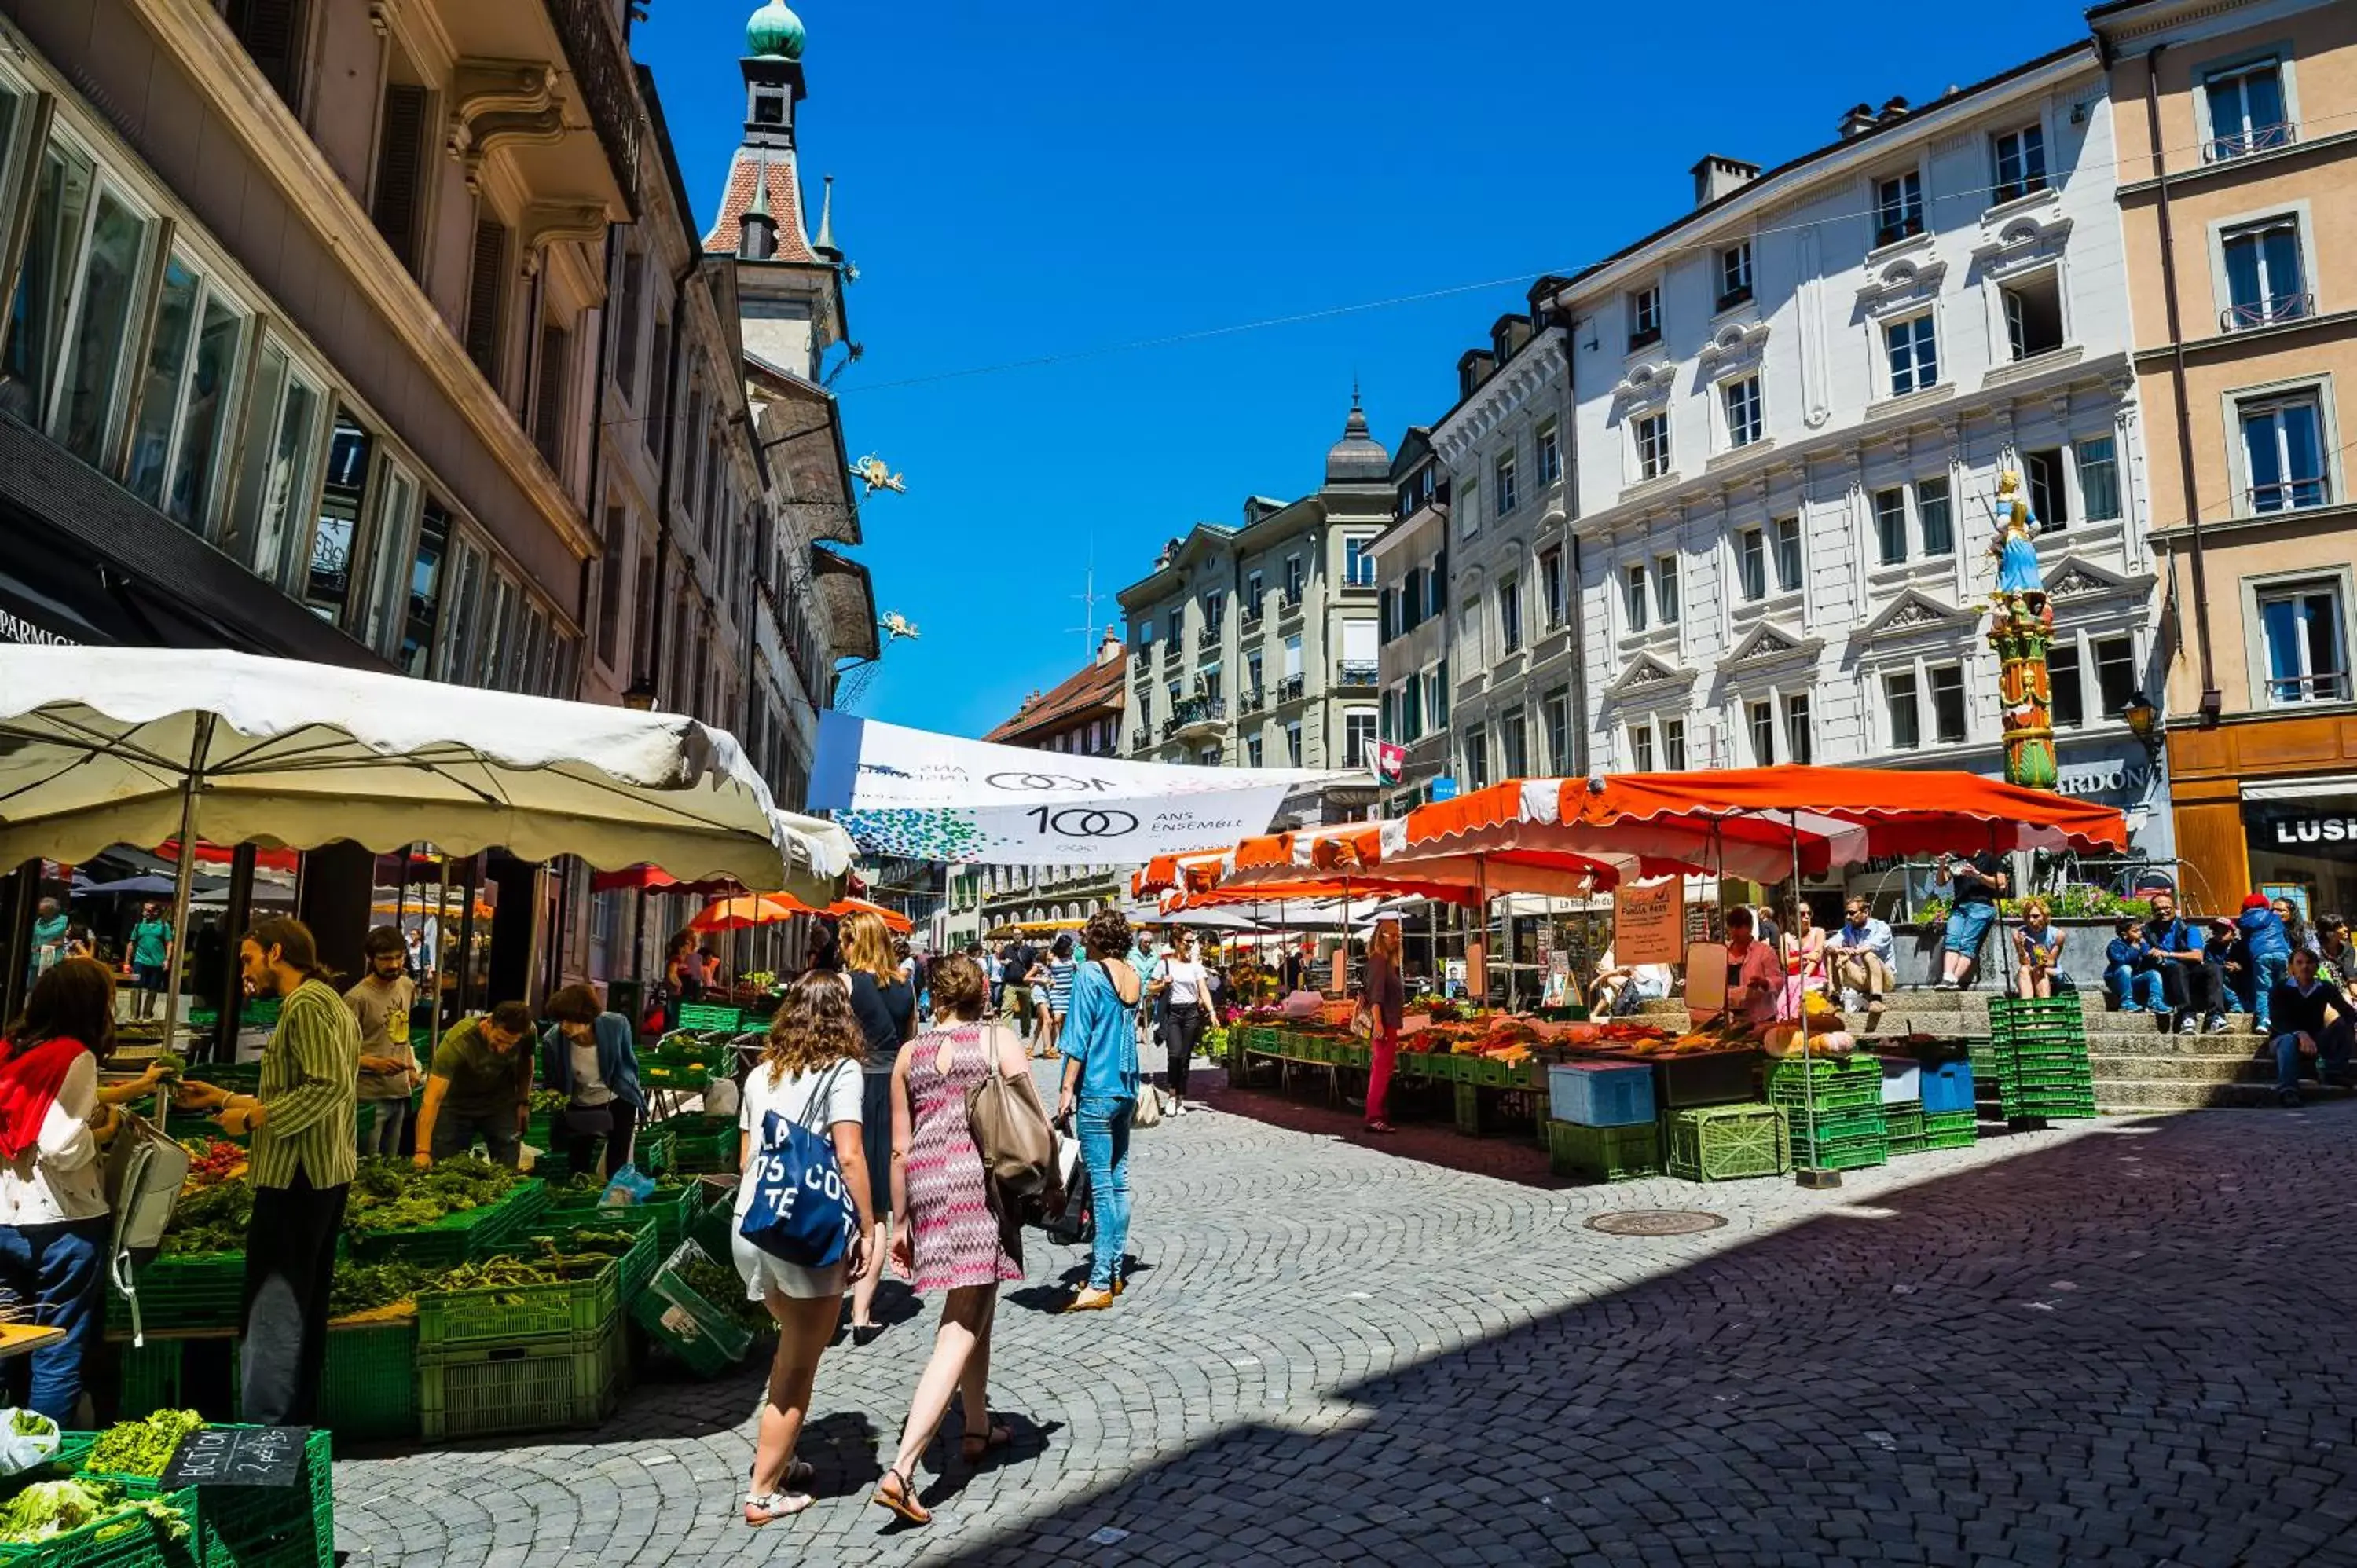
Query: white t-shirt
1188,980
61,1177
818,1101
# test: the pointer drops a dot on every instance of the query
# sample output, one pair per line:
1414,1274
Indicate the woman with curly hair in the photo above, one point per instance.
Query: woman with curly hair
809,1074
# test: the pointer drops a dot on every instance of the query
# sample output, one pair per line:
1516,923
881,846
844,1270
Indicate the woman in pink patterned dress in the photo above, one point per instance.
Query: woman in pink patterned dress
943,1232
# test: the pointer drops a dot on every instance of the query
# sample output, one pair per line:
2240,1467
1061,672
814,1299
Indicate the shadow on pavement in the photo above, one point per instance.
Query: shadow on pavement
2148,1367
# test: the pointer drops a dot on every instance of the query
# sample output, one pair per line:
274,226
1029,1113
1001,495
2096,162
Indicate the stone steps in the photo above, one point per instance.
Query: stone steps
2187,1094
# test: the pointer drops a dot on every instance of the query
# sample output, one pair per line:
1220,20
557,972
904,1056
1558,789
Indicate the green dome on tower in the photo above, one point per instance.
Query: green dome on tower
775,31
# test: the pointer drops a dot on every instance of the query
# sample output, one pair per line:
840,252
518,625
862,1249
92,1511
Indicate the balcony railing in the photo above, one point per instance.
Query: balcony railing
601,69
1252,700
1195,712
1357,672
2257,139
1892,232
2265,312
1252,612
2290,494
1290,689
1288,601
1170,654
1208,636
1141,740
2332,686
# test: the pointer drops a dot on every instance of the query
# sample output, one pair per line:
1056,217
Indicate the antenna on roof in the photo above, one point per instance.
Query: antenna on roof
1088,597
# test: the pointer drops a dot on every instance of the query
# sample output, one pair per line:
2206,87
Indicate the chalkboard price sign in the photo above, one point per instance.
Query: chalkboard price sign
238,1456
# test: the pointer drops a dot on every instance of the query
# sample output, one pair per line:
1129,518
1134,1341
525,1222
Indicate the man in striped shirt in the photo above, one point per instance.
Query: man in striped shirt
302,1164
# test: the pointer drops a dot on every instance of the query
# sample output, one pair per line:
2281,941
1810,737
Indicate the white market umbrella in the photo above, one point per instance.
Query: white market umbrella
102,746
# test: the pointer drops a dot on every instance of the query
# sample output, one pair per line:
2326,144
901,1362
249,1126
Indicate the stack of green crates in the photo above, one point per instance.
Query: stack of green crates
1951,1129
520,1358
1604,1154
2037,1058
1903,1126
698,1142
1834,1110
1727,1142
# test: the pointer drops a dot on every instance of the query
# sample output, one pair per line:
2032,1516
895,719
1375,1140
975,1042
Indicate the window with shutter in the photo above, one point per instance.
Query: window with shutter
272,32
548,399
486,283
400,164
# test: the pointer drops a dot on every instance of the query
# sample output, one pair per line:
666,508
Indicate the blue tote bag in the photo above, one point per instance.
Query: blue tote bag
801,1213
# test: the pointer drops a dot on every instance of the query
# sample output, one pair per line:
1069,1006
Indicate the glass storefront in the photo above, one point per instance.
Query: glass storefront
2304,849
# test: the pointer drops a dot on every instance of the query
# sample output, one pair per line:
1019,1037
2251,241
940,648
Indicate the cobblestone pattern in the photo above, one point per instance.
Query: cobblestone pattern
2114,1342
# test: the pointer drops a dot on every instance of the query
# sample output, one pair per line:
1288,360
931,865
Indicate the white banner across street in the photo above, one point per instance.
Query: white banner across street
938,797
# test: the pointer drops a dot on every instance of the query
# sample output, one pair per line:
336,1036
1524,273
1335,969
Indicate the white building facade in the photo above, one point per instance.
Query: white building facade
1792,408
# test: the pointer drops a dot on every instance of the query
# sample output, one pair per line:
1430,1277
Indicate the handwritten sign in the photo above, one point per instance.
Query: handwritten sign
1649,922
238,1456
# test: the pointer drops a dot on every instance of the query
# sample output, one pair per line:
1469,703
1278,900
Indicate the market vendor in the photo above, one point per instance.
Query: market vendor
302,1164
1755,975
480,1083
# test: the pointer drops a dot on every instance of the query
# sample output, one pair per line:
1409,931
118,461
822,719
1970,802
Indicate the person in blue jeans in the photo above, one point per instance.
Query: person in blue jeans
2130,977
2269,946
53,1215
2314,1019
1100,1093
1978,882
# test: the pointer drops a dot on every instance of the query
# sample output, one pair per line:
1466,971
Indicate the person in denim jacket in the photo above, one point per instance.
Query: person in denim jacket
2130,978
2270,949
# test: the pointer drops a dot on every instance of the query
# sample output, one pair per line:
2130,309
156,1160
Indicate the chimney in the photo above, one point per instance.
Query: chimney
1716,175
1109,651
1858,121
1895,108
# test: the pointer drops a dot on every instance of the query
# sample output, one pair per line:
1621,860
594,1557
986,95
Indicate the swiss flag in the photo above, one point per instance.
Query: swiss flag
1390,761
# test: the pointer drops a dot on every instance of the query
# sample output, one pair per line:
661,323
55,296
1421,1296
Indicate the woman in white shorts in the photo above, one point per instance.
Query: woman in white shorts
809,1073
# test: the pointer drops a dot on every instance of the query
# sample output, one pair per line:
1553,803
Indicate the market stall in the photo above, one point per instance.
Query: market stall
1702,1089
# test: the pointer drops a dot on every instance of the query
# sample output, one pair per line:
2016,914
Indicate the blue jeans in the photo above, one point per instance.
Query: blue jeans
1103,1124
2333,1050
384,1128
1968,924
2265,972
58,1271
2133,989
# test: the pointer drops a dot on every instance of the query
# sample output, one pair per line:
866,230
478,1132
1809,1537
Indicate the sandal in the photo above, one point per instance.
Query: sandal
901,1500
1380,1127
760,1512
1089,1301
974,1445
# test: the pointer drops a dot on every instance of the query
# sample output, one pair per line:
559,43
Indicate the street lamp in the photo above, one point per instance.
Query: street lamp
2142,716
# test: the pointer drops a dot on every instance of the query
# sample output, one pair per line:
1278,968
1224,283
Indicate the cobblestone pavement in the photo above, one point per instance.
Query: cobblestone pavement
2115,1342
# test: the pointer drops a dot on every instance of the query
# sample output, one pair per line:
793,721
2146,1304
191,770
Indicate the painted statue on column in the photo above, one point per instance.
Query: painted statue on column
2021,629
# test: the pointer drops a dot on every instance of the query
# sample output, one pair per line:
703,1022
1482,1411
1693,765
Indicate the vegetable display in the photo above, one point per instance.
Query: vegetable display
720,1285
549,1101
210,1218
213,1160
394,1195
31,1423
47,1509
142,1447
365,1287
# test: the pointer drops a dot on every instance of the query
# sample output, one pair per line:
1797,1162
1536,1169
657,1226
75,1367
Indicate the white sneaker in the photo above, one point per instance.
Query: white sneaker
2189,1024
2219,1026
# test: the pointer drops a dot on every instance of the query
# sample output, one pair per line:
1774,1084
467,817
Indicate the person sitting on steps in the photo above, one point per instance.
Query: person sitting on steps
2310,1019
1979,881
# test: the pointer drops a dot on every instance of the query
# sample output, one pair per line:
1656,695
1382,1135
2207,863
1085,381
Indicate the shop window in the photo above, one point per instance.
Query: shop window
336,538
283,420
192,359
425,595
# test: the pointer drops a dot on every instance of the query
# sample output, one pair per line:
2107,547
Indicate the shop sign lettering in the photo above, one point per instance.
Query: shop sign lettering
2298,831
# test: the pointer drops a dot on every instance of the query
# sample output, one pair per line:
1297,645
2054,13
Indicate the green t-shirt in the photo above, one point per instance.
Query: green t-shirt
483,1082
150,939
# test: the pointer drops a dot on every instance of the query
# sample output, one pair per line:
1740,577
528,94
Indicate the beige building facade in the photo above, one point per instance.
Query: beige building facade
2238,168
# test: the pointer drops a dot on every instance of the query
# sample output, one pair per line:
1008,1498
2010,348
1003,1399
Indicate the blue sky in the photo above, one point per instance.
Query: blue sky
1024,182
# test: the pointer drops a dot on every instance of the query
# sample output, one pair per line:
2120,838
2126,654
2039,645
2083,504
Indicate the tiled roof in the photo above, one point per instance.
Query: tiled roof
785,206
1098,686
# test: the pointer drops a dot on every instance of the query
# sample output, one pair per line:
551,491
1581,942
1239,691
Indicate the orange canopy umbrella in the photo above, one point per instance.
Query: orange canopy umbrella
745,910
1165,871
1532,826
1320,890
893,919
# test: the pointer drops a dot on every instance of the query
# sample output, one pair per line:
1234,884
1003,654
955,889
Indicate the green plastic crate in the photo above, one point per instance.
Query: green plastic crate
575,1309
654,1151
136,1541
633,1268
673,1208
146,1378
1941,1121
273,1527
702,1015
1837,1126
368,1392
1844,1155
1831,1084
1727,1142
1903,1121
1607,1154
204,1290
455,1238
704,1337
495,1391
699,1142
1959,1140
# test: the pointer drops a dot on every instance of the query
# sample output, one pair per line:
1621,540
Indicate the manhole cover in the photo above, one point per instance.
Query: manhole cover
1656,1222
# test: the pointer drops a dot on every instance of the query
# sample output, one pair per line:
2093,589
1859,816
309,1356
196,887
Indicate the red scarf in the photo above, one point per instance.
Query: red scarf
29,1082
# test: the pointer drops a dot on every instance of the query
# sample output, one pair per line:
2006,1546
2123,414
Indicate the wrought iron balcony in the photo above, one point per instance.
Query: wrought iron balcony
1357,672
1170,654
1195,715
1252,700
2331,686
2266,312
601,69
1288,601
2257,139
1141,740
1252,612
1896,230
1291,688
2290,494
1208,635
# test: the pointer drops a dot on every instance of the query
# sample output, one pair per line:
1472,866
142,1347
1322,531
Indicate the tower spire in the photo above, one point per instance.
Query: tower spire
824,244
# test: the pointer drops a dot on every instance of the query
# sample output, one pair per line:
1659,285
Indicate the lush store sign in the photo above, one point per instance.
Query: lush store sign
2296,833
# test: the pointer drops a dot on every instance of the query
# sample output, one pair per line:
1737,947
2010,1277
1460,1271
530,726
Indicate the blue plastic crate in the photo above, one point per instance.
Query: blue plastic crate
1600,1094
1947,1087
